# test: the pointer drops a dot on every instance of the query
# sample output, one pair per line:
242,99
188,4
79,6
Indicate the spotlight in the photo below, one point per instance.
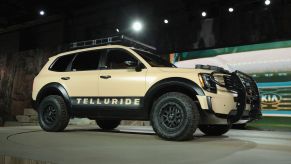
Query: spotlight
204,14
166,21
117,30
137,26
41,12
230,9
267,2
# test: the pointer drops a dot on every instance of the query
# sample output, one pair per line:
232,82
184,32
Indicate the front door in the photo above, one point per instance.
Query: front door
120,84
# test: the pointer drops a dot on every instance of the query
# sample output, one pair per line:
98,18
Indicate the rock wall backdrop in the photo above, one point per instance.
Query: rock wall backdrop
17,71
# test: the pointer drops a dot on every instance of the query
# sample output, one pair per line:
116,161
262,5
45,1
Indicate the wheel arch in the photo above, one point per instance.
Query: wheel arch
53,89
176,84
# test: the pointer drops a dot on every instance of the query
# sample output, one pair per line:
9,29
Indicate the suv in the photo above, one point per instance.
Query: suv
110,83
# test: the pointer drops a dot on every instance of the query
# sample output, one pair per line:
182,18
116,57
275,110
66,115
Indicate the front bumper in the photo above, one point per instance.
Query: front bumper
248,93
224,106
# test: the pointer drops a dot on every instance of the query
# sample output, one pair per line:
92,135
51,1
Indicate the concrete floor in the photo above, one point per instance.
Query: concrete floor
87,144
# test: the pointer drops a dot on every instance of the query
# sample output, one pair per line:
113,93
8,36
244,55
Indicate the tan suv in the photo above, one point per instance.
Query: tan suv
110,82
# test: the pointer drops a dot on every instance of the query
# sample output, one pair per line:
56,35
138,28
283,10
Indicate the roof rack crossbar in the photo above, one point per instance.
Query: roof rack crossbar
138,42
110,40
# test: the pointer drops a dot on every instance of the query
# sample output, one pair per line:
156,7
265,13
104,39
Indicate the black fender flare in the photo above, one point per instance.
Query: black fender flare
53,89
169,84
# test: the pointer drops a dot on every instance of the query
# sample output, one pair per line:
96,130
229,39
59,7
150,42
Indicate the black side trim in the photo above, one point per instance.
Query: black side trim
100,103
171,84
50,89
33,104
181,82
210,108
123,108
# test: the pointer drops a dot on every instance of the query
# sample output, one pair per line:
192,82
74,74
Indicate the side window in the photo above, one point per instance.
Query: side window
61,63
86,61
120,59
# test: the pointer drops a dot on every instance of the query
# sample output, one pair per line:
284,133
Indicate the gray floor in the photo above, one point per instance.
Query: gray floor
87,144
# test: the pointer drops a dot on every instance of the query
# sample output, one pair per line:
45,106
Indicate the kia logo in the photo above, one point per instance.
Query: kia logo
270,99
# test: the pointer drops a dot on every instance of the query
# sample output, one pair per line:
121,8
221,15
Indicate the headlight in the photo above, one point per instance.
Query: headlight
207,82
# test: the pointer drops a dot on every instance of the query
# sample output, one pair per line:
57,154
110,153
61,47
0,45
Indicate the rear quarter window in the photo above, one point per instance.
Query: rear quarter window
61,63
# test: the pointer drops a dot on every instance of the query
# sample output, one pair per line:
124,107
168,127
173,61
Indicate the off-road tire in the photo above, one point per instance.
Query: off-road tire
214,130
108,124
185,114
54,105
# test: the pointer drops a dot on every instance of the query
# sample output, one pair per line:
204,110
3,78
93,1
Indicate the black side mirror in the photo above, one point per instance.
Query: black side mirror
139,67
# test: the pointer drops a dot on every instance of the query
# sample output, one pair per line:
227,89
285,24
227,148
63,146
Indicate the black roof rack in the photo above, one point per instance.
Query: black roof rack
120,40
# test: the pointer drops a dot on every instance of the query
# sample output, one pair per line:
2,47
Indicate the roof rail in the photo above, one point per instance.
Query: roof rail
122,40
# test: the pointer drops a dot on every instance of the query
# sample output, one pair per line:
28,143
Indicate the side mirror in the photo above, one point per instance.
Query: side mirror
139,67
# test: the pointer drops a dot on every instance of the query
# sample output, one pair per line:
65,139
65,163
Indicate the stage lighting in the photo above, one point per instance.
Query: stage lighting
267,2
204,14
137,26
230,9
42,12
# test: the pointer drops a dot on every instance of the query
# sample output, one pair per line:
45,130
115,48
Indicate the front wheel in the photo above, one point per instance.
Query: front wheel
108,124
214,130
174,116
53,114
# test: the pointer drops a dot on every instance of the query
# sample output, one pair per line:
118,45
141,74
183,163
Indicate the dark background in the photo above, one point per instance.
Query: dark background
21,28
28,39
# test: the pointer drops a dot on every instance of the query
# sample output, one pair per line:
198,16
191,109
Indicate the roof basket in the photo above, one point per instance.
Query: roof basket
120,40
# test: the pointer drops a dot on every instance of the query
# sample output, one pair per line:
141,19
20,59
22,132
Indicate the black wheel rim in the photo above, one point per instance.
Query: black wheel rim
171,115
49,114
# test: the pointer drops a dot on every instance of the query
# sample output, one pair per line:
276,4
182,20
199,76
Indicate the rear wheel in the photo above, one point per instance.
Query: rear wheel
53,114
108,124
214,130
174,116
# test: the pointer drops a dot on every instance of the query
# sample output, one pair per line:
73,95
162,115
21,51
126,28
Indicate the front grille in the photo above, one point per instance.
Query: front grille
230,82
238,82
252,92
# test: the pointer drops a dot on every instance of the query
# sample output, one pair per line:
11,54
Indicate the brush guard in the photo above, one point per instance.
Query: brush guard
248,93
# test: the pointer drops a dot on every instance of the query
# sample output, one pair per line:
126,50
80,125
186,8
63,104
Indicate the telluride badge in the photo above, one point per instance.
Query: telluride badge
106,101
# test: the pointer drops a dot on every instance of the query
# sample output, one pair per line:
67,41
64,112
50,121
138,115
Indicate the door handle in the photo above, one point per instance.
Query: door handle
105,77
65,78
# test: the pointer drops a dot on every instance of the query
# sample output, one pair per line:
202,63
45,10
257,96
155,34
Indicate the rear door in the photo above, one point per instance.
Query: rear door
82,77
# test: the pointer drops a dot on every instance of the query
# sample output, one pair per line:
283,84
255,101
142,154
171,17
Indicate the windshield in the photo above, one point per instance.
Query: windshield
154,60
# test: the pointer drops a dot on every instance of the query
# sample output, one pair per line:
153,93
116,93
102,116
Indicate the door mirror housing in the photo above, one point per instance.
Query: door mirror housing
139,67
